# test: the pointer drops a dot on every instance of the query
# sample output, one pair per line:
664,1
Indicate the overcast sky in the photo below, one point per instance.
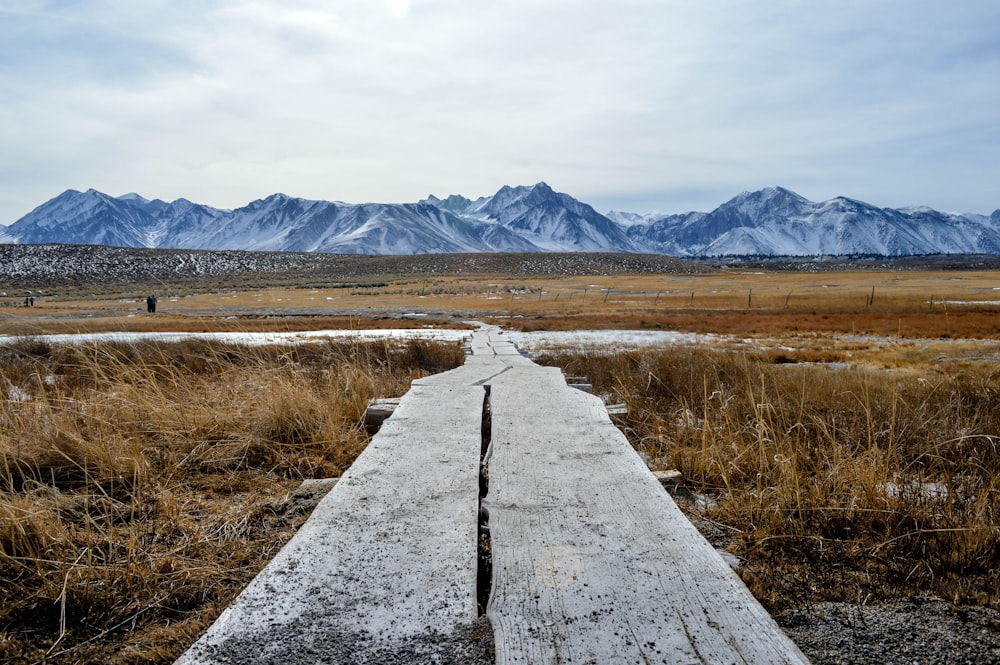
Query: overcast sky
639,105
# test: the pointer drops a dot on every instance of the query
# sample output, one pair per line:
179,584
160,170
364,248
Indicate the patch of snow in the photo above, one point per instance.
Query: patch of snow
253,338
917,490
15,394
704,502
627,219
734,561
609,339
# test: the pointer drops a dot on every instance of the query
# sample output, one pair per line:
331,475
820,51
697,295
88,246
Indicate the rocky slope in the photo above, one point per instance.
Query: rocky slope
30,266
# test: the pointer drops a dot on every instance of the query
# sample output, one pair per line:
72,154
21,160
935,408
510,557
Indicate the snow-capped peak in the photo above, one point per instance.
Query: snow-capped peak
773,220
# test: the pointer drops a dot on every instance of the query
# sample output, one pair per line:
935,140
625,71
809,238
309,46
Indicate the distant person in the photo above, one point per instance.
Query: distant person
31,301
149,304
152,302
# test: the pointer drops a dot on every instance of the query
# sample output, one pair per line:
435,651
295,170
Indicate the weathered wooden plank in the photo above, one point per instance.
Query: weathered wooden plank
378,410
592,560
385,568
494,342
618,413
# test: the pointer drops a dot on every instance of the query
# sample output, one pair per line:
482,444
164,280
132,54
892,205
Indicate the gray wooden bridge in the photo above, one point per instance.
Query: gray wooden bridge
588,560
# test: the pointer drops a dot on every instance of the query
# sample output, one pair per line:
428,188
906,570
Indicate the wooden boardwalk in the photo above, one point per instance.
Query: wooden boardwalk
592,562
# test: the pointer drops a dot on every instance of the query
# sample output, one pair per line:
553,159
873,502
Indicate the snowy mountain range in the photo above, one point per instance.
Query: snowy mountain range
772,221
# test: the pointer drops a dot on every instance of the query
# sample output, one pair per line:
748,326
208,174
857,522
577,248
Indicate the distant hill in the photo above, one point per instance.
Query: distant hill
768,222
34,266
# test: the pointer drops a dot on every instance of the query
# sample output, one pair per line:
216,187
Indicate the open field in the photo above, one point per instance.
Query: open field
838,432
901,304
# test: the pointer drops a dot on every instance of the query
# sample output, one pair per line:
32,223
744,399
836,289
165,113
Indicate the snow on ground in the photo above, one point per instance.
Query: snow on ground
530,341
15,394
252,338
617,339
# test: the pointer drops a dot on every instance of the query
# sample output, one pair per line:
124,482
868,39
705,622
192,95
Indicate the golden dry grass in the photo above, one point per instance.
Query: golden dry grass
907,304
142,485
834,483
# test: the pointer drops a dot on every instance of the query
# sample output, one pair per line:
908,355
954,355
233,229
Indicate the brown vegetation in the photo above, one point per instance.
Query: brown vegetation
849,483
900,304
142,485
939,324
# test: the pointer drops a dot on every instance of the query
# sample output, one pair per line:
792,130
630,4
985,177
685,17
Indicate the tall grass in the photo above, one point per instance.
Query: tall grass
142,485
834,483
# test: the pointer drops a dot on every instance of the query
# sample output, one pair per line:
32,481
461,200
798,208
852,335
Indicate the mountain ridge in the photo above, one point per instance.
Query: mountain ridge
773,221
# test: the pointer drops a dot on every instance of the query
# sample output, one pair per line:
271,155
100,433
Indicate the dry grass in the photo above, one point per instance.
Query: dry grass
142,485
906,304
833,483
938,324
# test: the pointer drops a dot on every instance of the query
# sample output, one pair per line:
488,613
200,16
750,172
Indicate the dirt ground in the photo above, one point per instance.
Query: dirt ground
913,631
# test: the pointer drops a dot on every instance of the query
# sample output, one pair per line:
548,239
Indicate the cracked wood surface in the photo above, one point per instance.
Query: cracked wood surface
592,560
384,570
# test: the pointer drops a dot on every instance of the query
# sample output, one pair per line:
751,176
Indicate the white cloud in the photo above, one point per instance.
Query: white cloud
398,8
658,103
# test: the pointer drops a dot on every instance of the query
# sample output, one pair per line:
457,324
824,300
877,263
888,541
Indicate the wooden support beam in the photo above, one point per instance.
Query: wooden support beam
378,410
